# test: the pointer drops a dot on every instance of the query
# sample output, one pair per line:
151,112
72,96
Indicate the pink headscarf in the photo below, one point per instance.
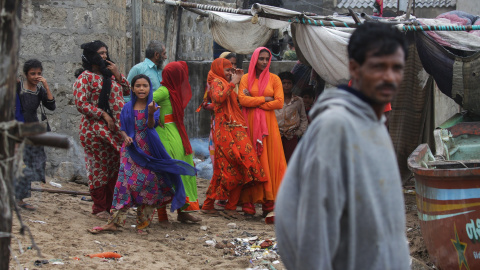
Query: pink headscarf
260,128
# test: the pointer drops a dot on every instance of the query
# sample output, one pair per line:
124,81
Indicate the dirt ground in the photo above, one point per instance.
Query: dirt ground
59,228
418,249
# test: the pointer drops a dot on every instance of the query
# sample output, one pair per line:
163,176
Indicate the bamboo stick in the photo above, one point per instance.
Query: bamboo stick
49,190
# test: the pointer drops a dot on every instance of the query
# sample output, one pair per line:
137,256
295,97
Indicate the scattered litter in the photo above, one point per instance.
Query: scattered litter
263,252
108,255
203,228
56,261
266,244
245,233
55,184
134,226
409,229
85,199
97,242
166,235
37,221
76,258
210,242
232,225
40,262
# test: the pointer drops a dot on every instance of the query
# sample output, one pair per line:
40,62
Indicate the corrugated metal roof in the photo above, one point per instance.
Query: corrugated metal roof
394,3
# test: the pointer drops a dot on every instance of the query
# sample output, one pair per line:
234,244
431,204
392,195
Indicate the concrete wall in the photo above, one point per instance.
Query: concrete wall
52,31
470,6
444,107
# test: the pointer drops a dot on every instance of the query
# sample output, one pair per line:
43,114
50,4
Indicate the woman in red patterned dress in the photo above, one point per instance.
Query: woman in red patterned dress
236,163
98,93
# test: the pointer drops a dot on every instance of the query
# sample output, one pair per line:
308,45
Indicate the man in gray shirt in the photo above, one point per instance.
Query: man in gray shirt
340,205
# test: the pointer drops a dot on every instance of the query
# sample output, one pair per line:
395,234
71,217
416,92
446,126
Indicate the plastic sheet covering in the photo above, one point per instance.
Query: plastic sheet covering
461,40
238,34
325,49
456,76
259,8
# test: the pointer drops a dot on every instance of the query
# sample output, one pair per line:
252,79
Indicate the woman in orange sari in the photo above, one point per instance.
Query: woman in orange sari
236,163
261,93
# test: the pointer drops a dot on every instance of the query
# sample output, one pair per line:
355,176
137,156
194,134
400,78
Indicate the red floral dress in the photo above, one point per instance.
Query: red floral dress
101,145
236,163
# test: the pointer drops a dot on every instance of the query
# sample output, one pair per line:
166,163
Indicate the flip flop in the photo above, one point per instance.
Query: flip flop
142,232
232,215
97,230
28,207
221,203
211,212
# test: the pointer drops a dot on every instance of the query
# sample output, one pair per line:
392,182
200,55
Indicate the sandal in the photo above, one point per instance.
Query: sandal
97,230
142,232
221,203
27,206
232,214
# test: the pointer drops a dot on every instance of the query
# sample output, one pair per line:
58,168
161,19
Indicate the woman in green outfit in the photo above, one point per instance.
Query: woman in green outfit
173,96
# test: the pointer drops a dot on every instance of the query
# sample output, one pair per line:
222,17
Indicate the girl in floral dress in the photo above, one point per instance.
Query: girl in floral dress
148,178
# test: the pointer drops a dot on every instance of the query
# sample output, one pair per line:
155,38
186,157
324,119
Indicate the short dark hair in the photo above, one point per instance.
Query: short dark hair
383,39
307,91
153,47
32,63
287,75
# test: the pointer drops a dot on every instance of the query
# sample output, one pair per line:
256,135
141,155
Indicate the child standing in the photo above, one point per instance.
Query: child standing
148,178
30,96
292,119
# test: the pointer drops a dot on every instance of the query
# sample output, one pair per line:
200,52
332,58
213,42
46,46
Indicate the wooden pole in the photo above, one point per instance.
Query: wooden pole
51,190
9,47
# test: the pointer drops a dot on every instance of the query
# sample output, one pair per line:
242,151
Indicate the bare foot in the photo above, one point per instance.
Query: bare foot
102,215
186,217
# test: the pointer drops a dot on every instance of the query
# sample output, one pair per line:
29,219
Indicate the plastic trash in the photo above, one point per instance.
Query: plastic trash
37,221
105,255
211,242
55,184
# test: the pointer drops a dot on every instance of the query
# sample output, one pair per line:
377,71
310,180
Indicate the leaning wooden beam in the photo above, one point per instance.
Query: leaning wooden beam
60,191
302,19
50,139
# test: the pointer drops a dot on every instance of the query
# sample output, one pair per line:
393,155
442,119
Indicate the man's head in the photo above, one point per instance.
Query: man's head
377,54
288,80
156,52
